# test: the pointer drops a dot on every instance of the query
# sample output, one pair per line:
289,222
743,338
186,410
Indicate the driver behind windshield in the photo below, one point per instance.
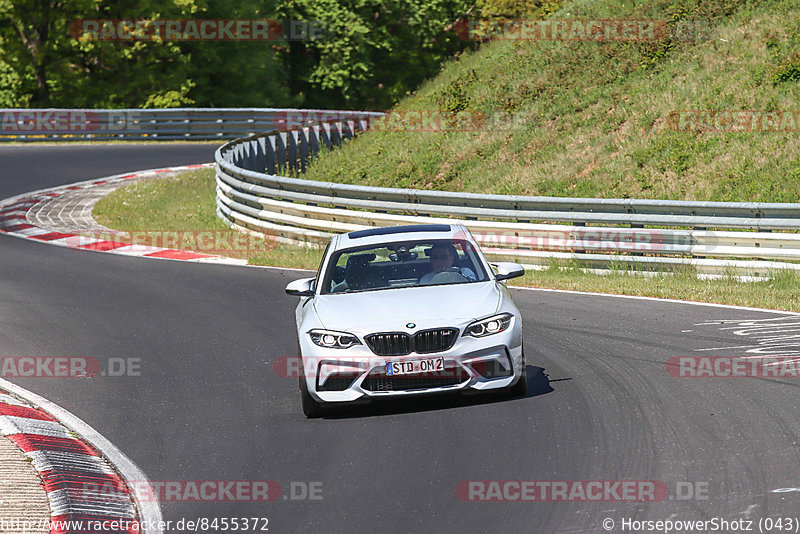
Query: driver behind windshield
443,257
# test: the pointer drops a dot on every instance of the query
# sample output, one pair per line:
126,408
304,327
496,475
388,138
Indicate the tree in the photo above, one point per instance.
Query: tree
237,73
371,52
56,69
370,55
42,63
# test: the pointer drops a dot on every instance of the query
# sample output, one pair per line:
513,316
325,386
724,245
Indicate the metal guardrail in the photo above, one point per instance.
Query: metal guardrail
638,234
37,125
251,194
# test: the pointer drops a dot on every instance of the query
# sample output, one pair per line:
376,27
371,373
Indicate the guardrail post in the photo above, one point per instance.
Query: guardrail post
634,225
313,140
325,135
579,251
280,150
302,146
335,135
244,155
260,161
347,129
248,156
291,150
269,146
237,155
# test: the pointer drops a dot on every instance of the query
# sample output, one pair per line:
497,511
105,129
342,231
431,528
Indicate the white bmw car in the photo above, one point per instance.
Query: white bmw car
406,310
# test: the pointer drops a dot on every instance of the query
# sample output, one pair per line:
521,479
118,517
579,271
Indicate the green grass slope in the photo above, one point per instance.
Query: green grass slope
596,119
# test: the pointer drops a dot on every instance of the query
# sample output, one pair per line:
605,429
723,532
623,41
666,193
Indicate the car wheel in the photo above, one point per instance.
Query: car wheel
520,389
311,408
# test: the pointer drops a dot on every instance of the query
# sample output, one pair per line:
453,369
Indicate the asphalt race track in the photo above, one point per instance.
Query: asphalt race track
209,406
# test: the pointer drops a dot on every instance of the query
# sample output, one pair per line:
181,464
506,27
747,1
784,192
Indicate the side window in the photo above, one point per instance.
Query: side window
471,259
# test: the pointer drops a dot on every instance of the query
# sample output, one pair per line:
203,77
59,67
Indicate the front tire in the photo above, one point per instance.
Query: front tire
311,408
520,389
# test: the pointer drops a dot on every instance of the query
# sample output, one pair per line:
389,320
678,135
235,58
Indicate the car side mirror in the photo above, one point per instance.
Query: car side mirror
506,270
301,288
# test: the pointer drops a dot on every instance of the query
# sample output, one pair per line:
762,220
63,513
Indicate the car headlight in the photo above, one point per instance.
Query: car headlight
333,340
491,325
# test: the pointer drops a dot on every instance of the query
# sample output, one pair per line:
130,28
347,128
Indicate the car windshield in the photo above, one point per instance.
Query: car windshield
406,264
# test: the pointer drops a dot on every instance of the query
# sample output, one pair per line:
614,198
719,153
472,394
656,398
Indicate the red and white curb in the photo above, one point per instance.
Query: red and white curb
14,222
83,487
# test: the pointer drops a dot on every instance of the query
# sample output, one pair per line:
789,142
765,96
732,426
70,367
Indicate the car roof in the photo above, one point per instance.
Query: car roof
385,230
392,234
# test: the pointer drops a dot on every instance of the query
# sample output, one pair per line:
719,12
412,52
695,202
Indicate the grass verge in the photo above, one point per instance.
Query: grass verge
780,292
180,212
600,119
185,202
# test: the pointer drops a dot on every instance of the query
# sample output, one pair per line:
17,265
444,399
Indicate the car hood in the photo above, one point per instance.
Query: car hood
391,309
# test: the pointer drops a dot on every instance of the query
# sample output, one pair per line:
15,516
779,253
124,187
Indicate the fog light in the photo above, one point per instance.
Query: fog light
492,369
337,382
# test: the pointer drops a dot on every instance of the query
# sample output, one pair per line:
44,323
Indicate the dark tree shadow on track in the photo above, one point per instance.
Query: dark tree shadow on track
538,384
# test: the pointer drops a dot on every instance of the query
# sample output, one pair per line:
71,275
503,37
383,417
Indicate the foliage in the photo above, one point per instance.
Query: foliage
786,47
11,94
372,52
237,73
59,70
42,64
517,9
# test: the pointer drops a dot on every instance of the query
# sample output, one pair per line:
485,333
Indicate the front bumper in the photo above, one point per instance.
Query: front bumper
472,364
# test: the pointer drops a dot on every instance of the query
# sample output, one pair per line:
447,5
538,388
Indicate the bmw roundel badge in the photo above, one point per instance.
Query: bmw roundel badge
411,325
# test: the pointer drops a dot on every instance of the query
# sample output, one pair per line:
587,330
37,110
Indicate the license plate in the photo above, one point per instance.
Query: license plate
411,367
